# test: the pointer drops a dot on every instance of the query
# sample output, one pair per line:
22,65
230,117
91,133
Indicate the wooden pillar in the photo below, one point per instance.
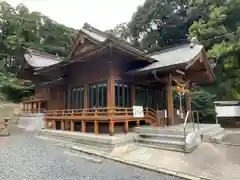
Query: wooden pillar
111,128
133,95
39,106
126,126
62,125
66,126
188,100
72,125
111,95
96,127
54,124
169,100
83,126
85,96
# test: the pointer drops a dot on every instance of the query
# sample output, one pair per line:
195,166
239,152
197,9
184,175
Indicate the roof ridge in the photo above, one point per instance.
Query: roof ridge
88,27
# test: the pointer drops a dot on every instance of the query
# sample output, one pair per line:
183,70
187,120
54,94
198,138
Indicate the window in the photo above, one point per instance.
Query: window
76,98
123,94
97,95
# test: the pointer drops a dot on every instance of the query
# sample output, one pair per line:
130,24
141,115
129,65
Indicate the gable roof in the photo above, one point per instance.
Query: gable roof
97,36
179,55
37,59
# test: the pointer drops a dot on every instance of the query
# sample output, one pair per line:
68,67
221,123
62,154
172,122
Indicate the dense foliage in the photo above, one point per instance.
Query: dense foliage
21,28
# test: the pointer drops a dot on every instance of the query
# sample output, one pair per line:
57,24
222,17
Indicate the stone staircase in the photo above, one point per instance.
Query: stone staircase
168,139
172,137
215,133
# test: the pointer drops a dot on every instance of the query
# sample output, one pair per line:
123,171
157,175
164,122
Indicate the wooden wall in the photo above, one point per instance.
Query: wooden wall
88,72
57,98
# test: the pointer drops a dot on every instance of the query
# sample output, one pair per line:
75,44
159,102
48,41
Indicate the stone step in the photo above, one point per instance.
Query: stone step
212,127
219,137
160,136
162,144
214,132
153,130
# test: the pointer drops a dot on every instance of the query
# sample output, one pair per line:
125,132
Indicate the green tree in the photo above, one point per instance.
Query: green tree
20,28
220,34
161,23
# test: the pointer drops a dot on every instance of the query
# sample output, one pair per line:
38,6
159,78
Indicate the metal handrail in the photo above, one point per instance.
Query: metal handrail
193,121
184,129
197,116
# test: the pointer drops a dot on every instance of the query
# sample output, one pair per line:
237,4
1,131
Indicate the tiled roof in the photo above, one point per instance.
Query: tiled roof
38,59
178,55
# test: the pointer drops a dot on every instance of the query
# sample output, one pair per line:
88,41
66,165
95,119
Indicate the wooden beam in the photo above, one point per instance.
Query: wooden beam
169,100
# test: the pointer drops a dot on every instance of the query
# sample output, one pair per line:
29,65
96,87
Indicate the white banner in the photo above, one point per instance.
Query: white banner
138,111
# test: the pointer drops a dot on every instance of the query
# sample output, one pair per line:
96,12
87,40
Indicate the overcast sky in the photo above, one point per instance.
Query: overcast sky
102,14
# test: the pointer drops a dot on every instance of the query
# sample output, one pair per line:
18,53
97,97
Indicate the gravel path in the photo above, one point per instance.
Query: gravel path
25,157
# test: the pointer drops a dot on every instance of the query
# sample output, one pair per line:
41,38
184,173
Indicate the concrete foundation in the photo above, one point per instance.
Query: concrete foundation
31,122
89,139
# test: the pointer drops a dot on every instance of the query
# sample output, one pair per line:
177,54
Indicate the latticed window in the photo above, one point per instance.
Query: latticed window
76,98
123,94
97,95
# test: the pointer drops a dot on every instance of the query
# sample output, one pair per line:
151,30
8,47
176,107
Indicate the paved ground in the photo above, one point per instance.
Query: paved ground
25,157
209,161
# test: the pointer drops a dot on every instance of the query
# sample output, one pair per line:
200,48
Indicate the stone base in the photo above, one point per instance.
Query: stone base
98,141
31,122
4,133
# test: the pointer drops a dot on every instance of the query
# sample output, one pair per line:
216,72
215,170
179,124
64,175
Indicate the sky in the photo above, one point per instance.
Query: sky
102,14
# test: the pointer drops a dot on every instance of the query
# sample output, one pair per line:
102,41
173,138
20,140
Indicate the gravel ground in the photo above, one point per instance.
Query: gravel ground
25,157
